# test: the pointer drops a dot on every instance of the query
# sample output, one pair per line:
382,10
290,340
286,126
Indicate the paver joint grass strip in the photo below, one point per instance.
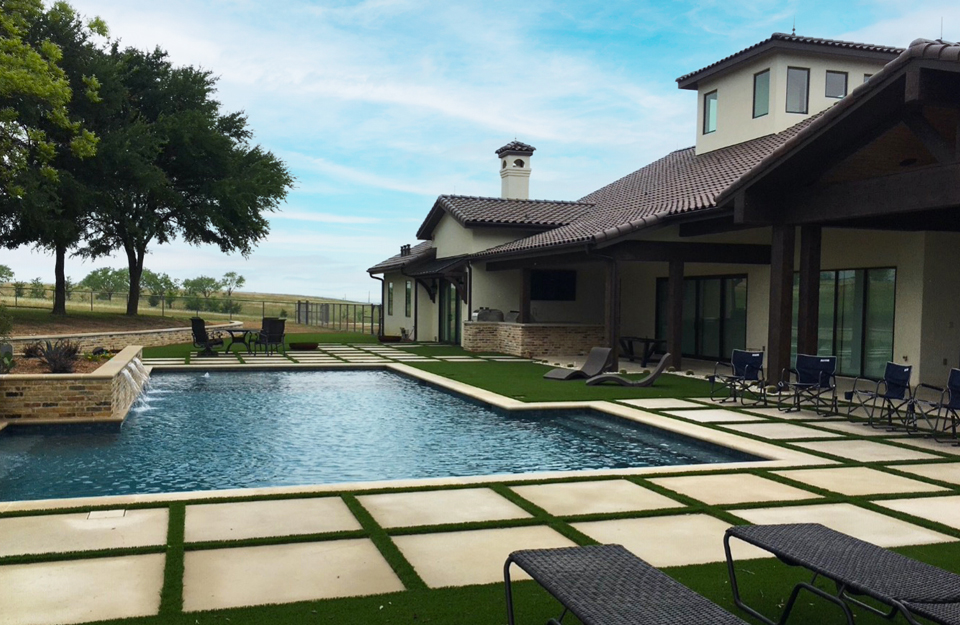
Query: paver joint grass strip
542,516
171,597
404,570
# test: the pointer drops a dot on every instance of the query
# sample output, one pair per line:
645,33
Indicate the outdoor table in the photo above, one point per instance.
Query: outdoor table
649,346
243,335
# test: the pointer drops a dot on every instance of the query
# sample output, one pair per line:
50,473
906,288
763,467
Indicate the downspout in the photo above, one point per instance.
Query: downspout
383,299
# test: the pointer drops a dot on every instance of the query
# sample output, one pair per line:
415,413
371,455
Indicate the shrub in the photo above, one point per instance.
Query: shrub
283,313
6,323
154,300
19,288
33,350
60,357
37,289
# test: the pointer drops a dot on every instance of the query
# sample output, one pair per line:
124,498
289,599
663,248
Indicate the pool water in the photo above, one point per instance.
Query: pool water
197,431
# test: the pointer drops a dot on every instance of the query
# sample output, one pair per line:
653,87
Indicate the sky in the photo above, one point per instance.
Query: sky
379,106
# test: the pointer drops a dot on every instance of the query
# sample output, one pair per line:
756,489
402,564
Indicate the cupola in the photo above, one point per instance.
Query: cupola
515,170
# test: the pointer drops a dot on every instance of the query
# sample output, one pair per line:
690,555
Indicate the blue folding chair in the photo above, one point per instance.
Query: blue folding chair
744,381
814,380
941,414
889,397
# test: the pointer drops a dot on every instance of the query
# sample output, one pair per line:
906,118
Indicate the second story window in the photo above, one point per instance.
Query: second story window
836,84
798,89
761,93
710,112
408,300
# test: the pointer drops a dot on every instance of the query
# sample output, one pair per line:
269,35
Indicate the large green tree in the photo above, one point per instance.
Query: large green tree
174,166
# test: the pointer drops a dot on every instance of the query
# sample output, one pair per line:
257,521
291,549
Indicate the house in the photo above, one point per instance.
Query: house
818,212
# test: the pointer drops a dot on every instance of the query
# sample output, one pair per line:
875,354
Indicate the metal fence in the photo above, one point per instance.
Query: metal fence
218,306
346,317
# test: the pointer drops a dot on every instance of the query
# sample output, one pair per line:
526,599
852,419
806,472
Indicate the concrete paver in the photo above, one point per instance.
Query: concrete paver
228,578
473,557
438,507
56,533
714,415
857,429
945,472
79,591
669,540
799,415
932,445
732,489
857,481
873,527
600,497
256,519
781,431
866,451
661,403
945,510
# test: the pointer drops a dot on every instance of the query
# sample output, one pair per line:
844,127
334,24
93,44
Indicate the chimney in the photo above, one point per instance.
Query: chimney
405,250
515,170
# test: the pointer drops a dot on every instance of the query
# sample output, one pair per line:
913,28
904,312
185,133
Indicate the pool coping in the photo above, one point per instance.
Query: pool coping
775,456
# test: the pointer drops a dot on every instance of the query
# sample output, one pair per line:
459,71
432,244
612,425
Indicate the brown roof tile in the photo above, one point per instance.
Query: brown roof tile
420,252
471,212
516,147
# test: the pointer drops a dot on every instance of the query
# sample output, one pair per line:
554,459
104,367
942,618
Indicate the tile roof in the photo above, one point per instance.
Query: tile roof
438,266
783,38
679,183
420,252
516,147
920,49
471,212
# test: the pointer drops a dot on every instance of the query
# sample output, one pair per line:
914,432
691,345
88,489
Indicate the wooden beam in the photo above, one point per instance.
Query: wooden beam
541,261
612,308
718,225
675,314
808,315
781,301
941,149
525,316
670,251
925,188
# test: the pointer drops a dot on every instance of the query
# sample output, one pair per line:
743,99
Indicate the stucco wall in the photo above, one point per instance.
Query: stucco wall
393,323
452,239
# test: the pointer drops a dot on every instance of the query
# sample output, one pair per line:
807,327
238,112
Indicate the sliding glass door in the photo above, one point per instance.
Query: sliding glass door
449,313
714,315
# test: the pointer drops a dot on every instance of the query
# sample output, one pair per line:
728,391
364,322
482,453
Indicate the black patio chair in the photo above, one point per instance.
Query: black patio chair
203,339
889,397
599,359
744,381
814,380
271,336
608,585
647,380
941,413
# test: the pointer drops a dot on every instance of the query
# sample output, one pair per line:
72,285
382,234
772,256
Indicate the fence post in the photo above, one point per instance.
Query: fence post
263,309
91,300
163,302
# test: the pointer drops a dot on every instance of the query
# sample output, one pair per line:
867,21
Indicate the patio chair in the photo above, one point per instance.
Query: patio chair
744,380
940,414
891,396
203,339
599,359
855,567
271,336
647,380
607,585
813,380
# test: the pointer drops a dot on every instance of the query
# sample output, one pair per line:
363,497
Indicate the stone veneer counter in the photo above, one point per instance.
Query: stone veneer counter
531,340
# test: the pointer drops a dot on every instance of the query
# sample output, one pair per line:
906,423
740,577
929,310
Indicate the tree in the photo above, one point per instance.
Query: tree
203,287
38,289
160,286
19,288
232,281
106,281
6,274
174,166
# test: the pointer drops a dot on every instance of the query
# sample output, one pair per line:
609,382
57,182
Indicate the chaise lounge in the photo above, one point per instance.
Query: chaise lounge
648,380
599,359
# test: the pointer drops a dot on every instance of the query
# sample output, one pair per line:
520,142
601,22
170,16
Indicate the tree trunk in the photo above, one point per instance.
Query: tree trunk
135,264
60,288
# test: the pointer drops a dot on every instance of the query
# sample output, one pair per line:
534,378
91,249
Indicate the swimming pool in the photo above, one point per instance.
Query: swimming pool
195,431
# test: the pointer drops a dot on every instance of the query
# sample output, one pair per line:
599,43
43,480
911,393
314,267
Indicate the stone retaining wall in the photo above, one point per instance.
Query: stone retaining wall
119,340
531,340
104,395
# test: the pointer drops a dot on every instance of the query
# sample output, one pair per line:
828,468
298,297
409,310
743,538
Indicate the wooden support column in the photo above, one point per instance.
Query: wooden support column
783,240
525,296
808,315
612,308
675,314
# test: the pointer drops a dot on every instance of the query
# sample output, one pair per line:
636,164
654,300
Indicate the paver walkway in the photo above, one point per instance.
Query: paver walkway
259,550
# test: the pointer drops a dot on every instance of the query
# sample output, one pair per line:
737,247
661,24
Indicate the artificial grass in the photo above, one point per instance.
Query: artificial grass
524,381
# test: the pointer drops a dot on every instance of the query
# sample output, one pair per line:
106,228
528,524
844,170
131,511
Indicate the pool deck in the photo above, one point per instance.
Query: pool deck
74,561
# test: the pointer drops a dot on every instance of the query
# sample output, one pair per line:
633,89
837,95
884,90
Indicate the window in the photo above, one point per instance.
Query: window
866,77
761,93
389,298
408,300
710,112
798,89
836,84
553,286
714,315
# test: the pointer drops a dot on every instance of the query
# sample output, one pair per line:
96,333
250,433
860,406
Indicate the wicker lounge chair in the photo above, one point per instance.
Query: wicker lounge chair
814,380
271,336
941,414
599,359
889,397
856,567
743,381
608,585
648,380
203,339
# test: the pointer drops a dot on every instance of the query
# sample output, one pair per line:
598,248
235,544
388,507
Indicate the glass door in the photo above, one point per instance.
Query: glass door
714,315
449,313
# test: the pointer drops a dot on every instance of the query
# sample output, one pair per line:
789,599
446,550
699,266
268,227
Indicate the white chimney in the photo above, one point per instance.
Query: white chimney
515,170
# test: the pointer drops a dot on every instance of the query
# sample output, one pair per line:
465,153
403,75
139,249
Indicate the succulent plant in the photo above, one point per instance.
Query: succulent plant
60,357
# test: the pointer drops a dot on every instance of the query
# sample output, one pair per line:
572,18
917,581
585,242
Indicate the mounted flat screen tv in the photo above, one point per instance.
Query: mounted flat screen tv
553,285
